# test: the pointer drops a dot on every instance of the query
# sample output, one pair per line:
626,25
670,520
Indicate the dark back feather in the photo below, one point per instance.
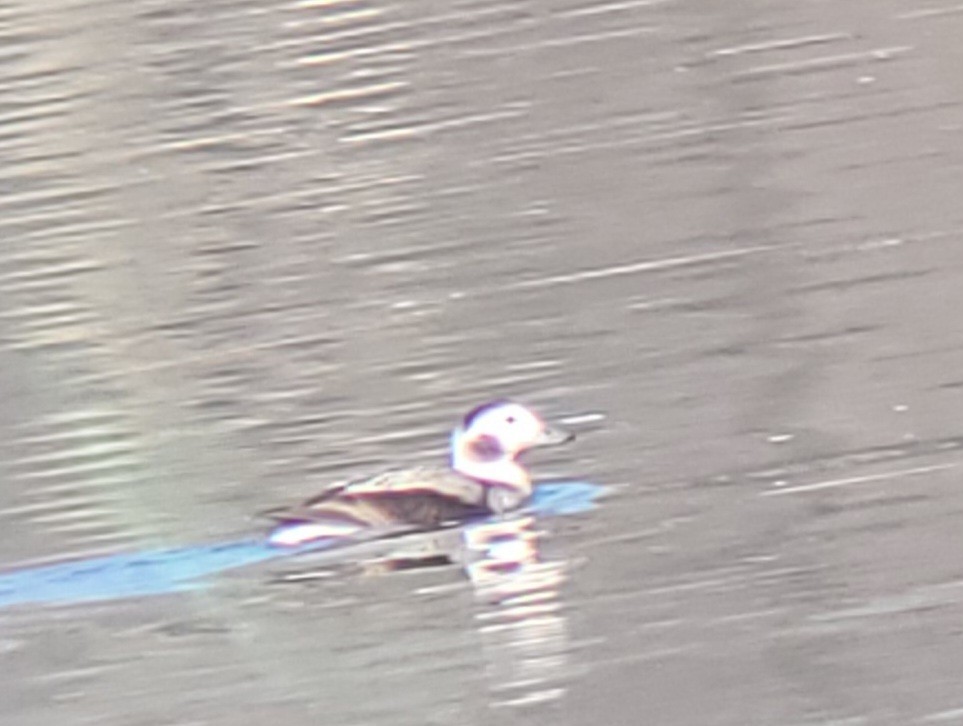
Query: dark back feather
421,497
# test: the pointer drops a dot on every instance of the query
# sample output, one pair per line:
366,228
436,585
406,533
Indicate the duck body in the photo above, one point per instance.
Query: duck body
483,477
419,498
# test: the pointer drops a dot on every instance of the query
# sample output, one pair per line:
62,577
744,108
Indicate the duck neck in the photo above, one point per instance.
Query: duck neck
478,459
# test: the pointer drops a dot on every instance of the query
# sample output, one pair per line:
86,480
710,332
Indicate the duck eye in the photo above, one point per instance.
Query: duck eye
510,419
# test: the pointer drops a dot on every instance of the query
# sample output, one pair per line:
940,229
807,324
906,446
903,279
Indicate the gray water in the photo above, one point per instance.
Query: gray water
247,249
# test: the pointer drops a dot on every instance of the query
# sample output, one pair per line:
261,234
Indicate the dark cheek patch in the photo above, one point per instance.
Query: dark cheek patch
486,448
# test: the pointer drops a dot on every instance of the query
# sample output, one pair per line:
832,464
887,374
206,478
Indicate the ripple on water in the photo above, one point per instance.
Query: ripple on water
74,473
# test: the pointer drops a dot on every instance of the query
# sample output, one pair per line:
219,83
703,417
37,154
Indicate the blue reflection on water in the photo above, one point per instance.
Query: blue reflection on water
155,572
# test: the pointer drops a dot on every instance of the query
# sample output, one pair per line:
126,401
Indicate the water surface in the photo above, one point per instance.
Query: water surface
251,248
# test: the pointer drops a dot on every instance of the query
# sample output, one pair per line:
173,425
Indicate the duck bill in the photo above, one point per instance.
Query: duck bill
552,436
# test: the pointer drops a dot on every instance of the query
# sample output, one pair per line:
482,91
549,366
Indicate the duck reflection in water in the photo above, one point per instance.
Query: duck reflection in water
520,619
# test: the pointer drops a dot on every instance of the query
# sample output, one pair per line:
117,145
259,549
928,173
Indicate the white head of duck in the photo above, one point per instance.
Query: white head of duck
487,444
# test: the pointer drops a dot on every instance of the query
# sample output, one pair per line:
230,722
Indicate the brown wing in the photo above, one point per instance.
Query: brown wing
421,497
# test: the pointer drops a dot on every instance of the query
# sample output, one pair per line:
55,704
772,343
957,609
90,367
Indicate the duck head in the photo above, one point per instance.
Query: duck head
487,444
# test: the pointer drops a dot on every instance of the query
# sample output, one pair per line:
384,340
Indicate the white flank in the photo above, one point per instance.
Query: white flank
292,535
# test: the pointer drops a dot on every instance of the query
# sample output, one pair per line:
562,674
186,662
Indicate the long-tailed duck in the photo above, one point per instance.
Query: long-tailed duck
484,476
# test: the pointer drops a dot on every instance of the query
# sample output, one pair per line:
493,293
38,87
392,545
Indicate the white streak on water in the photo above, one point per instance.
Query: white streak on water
637,267
953,714
781,44
583,419
930,12
833,483
615,7
832,61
